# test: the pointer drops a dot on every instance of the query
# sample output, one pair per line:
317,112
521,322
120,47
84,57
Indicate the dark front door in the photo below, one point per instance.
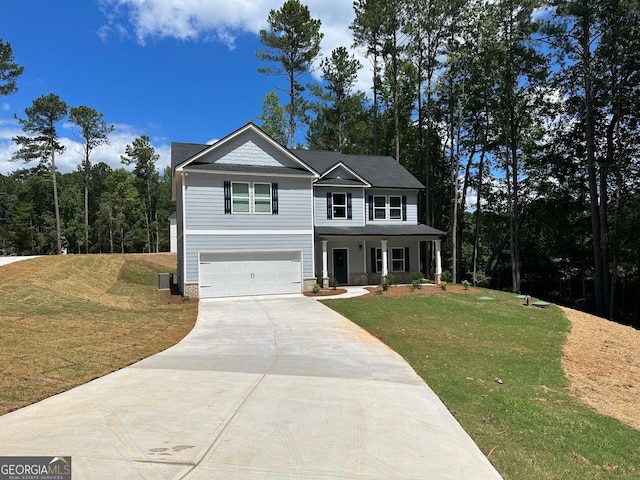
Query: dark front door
340,265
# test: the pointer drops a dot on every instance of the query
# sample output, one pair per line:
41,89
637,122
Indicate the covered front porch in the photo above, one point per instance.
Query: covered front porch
362,255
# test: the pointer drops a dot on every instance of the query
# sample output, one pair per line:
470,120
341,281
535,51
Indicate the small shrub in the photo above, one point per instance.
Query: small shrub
465,285
416,276
333,283
385,283
443,285
446,276
316,288
416,284
390,278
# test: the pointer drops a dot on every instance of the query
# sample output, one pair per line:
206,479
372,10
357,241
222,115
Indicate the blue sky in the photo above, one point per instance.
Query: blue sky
173,70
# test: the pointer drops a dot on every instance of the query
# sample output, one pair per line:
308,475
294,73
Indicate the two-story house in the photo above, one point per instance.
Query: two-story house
255,218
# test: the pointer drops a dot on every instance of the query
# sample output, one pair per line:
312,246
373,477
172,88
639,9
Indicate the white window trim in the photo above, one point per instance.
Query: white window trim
253,203
397,259
249,198
377,209
333,206
389,208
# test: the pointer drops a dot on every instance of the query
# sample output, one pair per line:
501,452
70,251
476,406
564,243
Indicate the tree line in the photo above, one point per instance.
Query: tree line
94,209
519,116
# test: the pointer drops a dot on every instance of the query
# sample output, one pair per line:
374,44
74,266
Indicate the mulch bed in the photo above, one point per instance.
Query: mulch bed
326,293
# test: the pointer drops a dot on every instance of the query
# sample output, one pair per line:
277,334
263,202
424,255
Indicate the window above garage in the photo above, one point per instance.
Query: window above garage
250,198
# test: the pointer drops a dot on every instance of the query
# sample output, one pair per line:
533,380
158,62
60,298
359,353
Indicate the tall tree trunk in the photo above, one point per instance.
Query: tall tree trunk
590,133
478,215
56,206
86,198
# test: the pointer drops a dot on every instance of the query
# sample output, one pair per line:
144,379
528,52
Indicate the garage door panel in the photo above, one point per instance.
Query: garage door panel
249,273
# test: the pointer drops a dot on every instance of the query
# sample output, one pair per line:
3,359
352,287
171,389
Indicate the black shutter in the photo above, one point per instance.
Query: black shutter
370,207
407,265
227,197
329,208
373,260
348,206
274,198
404,208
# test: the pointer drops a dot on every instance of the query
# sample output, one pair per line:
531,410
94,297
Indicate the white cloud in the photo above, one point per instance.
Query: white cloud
223,21
69,160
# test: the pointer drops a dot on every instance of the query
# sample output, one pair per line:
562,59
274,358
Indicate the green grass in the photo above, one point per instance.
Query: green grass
67,319
531,426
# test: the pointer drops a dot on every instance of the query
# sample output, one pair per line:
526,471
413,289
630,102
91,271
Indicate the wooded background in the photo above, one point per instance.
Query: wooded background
521,118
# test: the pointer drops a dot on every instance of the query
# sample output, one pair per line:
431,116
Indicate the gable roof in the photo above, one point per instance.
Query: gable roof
190,155
377,170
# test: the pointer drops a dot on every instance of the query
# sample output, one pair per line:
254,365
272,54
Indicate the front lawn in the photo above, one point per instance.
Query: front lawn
67,319
496,365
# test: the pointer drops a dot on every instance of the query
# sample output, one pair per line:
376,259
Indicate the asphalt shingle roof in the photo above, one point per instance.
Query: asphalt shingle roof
379,171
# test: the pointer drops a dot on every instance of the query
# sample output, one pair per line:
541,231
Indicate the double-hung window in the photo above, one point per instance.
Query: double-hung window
339,202
262,198
380,207
245,197
387,207
395,208
240,197
397,260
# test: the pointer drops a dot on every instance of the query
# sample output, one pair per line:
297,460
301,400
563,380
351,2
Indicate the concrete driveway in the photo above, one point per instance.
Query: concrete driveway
262,388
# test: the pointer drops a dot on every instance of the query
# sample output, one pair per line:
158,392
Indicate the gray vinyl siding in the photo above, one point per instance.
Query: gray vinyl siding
357,207
360,260
205,204
412,205
249,150
248,243
180,238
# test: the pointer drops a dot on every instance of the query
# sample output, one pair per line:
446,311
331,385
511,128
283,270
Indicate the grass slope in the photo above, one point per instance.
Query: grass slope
65,320
530,426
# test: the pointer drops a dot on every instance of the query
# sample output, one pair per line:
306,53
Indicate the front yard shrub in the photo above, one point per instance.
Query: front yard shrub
443,285
465,285
316,288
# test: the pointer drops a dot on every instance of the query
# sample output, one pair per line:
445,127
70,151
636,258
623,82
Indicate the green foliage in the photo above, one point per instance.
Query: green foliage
443,285
41,143
465,284
292,43
316,288
446,276
273,119
9,69
389,277
460,344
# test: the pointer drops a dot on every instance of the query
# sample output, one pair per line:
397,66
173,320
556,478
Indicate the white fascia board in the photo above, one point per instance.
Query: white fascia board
240,131
249,174
340,164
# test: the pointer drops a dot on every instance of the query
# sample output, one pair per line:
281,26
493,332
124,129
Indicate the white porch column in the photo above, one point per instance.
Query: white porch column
383,246
438,261
325,270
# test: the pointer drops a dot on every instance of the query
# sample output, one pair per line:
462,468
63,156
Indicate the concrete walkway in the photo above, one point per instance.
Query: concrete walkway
12,259
262,388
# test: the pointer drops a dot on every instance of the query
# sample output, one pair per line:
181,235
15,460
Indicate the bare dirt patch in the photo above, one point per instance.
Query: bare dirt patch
602,361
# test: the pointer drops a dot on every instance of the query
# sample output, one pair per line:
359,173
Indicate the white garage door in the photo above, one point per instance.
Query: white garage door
249,273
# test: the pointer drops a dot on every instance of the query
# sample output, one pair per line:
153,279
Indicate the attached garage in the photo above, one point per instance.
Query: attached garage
233,274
